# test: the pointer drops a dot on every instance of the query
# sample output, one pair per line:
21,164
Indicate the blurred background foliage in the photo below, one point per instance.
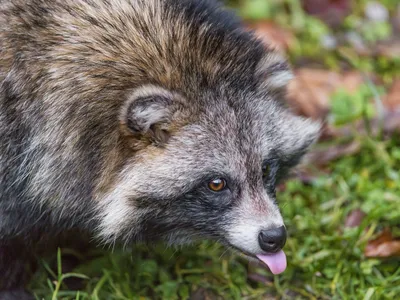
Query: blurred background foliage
329,32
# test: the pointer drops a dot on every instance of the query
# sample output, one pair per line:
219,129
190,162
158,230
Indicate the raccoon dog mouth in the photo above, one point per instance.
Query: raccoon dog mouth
276,262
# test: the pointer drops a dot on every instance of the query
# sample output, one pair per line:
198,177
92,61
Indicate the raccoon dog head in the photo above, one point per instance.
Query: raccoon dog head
206,166
205,144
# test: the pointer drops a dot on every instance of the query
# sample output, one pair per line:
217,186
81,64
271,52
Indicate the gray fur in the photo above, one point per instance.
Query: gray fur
75,153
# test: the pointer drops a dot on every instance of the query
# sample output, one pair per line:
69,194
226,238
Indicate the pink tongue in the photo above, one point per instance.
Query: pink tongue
275,261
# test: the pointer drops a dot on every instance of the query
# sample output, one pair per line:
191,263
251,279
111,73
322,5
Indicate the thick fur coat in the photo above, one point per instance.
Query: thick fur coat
115,114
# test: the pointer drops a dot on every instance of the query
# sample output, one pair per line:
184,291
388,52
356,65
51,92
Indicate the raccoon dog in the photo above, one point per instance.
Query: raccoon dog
136,120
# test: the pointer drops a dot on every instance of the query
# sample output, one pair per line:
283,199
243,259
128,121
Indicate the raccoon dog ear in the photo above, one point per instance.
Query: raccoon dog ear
273,72
298,134
148,113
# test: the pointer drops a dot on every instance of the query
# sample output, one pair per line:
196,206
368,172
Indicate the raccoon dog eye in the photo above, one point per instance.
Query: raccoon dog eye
265,170
217,185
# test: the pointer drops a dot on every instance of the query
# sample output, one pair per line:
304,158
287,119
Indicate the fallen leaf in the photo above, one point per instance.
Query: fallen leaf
355,218
310,92
272,35
383,246
351,81
392,100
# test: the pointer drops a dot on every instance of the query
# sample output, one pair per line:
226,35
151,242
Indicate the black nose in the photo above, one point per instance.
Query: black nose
272,240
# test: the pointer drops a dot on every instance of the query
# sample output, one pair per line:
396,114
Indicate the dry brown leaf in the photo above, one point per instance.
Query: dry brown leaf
392,100
383,246
272,35
309,93
354,218
351,81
